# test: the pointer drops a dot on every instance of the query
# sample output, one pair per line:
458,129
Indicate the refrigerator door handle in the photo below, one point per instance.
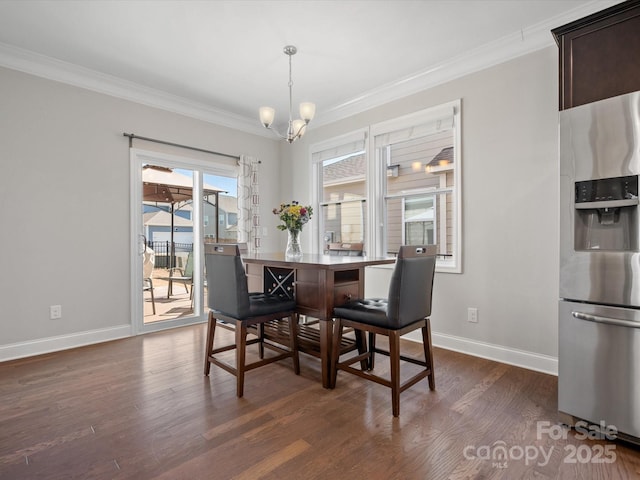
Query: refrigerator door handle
606,320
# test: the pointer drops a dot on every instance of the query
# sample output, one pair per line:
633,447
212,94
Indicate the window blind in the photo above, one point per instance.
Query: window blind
439,122
339,147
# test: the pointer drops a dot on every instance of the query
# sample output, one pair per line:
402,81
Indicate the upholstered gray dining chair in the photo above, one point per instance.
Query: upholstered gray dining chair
407,308
229,300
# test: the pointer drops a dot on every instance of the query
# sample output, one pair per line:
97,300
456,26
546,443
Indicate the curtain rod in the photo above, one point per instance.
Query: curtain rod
132,136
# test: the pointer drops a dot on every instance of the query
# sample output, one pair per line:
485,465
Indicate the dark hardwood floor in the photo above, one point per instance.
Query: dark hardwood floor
140,408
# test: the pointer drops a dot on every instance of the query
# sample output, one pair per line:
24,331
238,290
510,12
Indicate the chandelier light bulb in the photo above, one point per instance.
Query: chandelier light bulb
307,111
298,127
267,115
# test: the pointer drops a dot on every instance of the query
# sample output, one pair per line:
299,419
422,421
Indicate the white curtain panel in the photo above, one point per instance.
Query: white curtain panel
249,202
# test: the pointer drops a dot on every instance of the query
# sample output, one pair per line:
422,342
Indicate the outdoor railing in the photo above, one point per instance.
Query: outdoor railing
163,253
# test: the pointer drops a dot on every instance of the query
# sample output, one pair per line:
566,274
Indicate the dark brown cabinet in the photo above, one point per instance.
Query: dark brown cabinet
600,55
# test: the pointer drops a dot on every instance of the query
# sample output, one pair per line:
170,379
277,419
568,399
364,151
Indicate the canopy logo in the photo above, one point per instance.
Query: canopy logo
500,454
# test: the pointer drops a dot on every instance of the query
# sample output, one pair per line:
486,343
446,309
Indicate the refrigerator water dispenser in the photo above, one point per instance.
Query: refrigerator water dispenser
607,214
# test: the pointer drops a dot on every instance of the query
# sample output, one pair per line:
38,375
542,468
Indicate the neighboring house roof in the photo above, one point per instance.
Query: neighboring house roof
347,170
446,154
163,219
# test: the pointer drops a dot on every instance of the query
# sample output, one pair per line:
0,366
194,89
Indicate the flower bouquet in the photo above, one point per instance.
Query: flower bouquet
293,217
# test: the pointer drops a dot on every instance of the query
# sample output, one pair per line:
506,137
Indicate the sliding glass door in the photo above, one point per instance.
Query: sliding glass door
170,227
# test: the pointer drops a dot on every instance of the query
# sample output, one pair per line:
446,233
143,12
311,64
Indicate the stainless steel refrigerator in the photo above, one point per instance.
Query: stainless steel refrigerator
599,308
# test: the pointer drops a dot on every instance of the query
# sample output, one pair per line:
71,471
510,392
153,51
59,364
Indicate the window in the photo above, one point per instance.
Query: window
411,167
340,168
226,209
418,162
418,221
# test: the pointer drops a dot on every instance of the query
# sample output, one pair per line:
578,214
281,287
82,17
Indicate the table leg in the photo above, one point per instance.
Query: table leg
326,342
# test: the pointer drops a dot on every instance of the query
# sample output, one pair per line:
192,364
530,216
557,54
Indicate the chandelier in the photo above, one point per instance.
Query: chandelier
296,127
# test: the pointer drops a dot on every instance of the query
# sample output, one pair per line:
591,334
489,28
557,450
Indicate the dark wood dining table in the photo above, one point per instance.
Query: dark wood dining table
317,282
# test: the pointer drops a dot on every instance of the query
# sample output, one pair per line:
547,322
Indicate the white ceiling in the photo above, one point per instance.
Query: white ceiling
221,60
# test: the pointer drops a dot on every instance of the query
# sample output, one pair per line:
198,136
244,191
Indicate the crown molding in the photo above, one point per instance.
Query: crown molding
506,48
528,40
52,69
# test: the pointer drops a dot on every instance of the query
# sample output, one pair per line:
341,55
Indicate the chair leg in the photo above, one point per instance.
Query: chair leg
362,348
372,350
428,352
394,358
153,299
293,332
241,347
335,352
211,331
260,331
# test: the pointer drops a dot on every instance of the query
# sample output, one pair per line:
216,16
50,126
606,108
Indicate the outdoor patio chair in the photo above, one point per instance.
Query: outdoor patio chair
407,308
147,273
185,276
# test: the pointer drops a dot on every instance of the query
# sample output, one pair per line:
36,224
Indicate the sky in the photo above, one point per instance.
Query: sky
229,184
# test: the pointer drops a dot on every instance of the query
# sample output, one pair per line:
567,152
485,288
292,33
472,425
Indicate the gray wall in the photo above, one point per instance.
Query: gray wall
64,192
65,210
510,209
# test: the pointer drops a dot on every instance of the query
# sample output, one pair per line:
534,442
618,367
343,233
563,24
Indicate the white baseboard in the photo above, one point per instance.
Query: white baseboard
62,342
499,353
511,356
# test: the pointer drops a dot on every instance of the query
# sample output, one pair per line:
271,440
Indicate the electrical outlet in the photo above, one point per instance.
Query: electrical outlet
55,312
472,315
